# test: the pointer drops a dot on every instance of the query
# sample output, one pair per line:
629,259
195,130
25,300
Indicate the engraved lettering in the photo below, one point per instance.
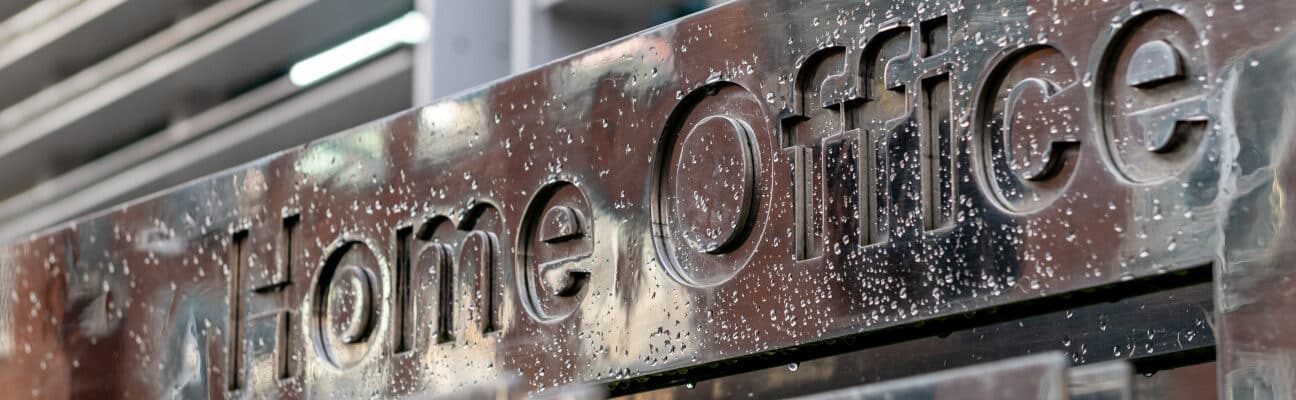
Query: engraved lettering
937,130
706,193
236,262
345,306
439,256
557,245
1152,96
815,123
1029,113
918,141
403,317
469,268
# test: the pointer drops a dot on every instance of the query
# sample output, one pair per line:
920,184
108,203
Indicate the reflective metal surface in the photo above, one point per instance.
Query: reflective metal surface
1041,377
1151,331
757,178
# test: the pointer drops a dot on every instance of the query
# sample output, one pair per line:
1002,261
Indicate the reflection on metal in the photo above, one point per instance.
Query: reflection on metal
1106,381
920,184
1096,337
1041,377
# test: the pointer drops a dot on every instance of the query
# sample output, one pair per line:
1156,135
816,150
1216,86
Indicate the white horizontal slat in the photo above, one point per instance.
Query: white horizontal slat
273,117
259,43
53,38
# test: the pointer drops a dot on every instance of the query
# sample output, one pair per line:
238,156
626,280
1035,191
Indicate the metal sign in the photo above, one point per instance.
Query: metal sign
761,176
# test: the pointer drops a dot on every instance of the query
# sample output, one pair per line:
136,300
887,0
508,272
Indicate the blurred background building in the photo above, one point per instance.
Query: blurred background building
102,101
